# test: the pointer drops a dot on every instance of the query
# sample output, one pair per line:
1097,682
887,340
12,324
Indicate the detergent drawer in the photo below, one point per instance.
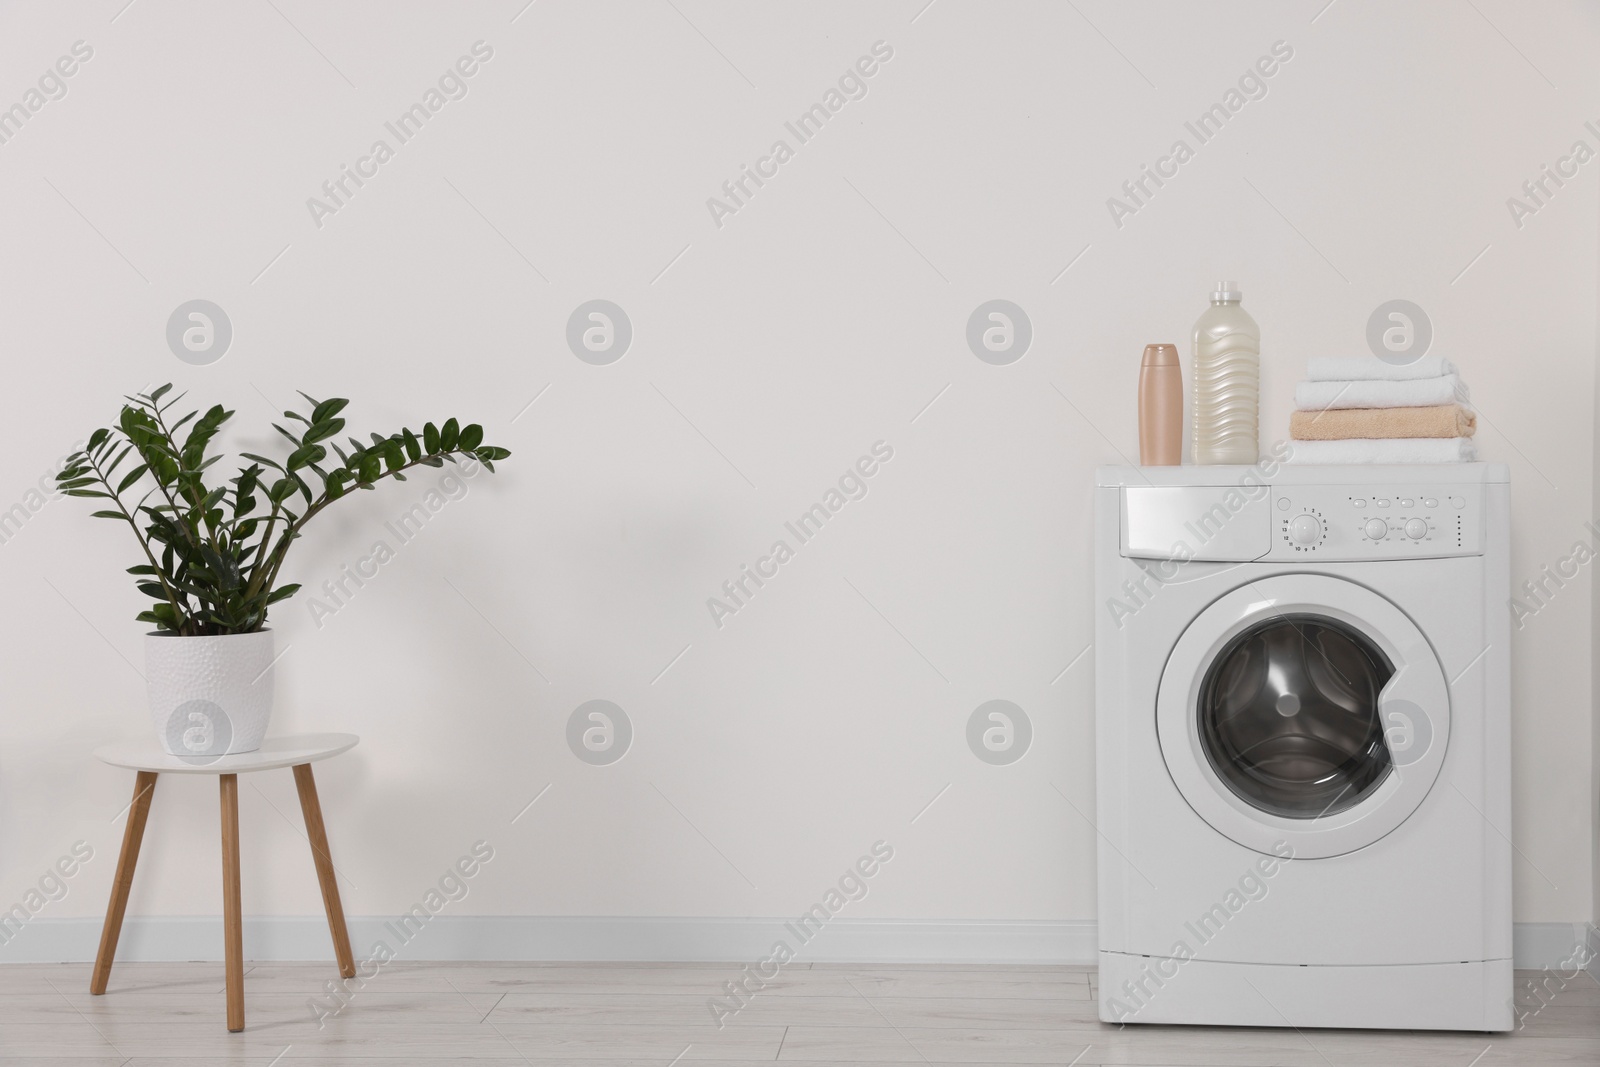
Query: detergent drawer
1227,523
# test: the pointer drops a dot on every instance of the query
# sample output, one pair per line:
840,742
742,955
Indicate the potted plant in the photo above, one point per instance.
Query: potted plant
214,553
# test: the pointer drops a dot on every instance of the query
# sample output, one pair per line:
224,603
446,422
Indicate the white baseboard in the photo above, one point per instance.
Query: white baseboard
539,938
1537,946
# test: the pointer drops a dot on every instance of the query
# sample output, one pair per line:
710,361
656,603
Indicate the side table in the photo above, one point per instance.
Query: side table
299,751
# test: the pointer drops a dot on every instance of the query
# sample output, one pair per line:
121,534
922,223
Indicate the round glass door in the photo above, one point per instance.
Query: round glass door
1288,710
1288,716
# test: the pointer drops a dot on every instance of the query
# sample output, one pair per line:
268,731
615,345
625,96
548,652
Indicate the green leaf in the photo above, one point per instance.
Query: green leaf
283,592
161,391
409,440
274,464
117,462
93,494
97,439
328,408
162,615
449,435
430,438
224,568
393,454
194,447
306,455
471,437
321,431
132,476
107,515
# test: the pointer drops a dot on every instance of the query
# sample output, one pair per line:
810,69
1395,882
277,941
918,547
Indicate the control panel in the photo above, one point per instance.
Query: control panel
1376,522
1284,521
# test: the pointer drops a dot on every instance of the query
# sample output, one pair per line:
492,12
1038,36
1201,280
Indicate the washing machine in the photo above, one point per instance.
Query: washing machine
1303,732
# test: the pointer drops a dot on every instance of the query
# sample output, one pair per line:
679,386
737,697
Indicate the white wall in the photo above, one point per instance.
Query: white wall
821,318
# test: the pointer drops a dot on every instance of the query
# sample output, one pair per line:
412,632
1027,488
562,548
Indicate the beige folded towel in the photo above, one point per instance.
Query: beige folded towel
1340,424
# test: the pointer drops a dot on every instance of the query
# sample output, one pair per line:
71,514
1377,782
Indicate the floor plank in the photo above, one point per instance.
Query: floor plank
654,1014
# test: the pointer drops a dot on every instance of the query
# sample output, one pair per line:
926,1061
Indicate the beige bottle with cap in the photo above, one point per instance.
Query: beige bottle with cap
1227,380
1160,407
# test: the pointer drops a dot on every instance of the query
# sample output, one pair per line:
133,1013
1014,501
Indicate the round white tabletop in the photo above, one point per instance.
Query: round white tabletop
287,751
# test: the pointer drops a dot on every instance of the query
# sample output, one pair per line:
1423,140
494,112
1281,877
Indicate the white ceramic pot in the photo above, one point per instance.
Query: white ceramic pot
209,696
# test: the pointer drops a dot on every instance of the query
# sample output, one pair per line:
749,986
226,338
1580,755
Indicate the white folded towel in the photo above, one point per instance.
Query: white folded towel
1372,369
1386,450
1420,393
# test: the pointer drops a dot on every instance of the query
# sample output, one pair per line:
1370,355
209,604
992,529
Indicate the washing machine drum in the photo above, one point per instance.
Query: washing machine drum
1303,710
1288,716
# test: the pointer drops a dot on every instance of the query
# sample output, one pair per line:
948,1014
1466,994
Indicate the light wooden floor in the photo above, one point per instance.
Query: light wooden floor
645,1015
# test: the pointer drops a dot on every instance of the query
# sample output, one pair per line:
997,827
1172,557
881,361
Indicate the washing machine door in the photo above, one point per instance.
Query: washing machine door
1303,712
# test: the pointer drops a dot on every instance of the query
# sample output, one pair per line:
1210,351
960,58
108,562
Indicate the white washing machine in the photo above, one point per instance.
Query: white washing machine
1303,730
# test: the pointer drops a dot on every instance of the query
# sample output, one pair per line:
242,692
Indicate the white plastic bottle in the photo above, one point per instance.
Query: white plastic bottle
1227,380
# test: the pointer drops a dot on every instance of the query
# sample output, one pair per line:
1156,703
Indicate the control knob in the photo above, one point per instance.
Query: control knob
1376,529
1305,529
1416,529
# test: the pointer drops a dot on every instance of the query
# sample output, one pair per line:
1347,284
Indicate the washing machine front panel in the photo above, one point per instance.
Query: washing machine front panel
1305,712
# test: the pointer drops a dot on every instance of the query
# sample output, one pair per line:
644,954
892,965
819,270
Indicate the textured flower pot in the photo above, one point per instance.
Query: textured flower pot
209,696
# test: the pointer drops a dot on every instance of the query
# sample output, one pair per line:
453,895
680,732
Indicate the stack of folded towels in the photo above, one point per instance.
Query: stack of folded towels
1369,411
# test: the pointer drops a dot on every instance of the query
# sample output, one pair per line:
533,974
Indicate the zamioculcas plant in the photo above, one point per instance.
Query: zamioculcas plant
213,553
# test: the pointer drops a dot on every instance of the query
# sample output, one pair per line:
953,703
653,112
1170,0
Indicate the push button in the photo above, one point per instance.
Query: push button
1358,502
1381,502
1407,502
1429,502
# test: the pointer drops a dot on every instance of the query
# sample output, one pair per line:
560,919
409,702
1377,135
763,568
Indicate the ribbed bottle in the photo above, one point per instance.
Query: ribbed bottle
1226,381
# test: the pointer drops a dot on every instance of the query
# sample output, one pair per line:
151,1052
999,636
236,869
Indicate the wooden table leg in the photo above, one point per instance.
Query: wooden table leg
144,787
312,809
232,922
